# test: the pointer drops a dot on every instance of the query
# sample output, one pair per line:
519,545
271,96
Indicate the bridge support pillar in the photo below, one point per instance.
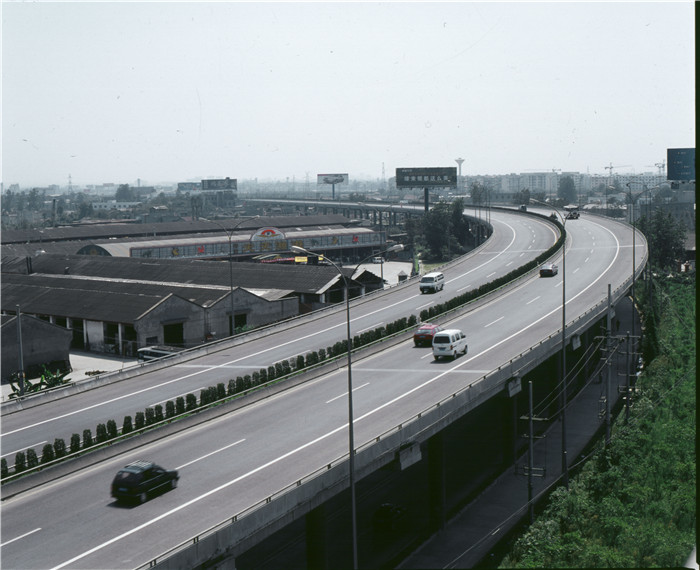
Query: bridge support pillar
316,538
436,481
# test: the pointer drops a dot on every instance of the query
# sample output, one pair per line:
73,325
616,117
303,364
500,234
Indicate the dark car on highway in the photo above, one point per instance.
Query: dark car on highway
424,334
140,479
548,270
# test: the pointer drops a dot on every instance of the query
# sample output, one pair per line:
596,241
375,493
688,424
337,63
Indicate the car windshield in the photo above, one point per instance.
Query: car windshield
441,339
427,280
128,477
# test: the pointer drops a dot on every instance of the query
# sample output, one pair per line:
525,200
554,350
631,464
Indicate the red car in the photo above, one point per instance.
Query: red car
424,334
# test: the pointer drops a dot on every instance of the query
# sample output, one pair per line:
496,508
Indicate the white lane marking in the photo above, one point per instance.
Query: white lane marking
28,447
370,328
140,527
424,306
20,537
533,300
344,395
493,322
209,454
173,398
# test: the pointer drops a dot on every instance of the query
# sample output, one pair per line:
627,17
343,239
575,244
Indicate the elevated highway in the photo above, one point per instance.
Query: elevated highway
236,463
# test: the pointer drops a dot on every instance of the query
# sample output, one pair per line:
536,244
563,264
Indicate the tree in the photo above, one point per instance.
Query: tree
125,194
666,238
459,225
567,190
522,197
435,222
479,194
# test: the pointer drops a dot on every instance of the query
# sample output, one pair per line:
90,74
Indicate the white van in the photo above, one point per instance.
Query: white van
432,282
449,342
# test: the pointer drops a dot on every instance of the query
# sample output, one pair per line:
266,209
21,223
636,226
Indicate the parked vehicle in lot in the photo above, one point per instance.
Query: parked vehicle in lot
449,342
154,352
573,215
432,282
424,334
138,480
548,270
378,259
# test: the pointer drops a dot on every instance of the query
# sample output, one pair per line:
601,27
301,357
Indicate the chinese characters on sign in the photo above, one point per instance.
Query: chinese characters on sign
441,177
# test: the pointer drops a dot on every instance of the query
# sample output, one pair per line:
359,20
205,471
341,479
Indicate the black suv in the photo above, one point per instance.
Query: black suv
141,478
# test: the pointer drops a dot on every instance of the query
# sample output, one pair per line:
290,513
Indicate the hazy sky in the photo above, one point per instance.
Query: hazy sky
168,92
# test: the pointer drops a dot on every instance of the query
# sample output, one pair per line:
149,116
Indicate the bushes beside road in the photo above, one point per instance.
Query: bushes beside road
634,504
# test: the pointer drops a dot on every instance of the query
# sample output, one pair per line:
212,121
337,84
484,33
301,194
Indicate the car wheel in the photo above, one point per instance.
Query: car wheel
142,498
173,483
465,350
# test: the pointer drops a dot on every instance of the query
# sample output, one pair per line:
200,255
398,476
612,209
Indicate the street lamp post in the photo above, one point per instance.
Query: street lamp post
351,429
564,460
229,234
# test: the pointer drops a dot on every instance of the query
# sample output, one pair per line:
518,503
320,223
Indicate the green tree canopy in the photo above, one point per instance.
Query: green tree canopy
125,194
567,190
666,238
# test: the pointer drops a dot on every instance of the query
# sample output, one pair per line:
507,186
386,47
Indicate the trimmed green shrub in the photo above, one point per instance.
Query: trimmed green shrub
139,420
179,405
213,393
127,426
300,364
150,416
101,433
169,409
190,402
32,459
279,371
256,379
240,385
247,381
74,443
158,409
112,431
20,462
87,438
203,397
263,375
4,470
286,367
322,354
47,454
271,373
220,391
59,448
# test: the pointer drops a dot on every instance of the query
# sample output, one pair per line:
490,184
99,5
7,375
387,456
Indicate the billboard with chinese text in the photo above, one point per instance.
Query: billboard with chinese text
439,177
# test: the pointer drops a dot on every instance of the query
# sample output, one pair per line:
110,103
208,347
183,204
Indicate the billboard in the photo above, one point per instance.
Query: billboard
440,177
332,179
220,184
681,163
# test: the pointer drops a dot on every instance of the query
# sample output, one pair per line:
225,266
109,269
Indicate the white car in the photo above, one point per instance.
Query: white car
449,342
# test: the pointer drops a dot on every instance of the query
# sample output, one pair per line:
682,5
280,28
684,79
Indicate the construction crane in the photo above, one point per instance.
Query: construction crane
610,168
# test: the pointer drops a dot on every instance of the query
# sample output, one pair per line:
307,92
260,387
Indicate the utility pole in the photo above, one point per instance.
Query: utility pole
21,352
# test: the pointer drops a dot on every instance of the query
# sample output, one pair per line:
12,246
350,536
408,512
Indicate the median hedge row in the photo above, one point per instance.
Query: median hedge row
108,432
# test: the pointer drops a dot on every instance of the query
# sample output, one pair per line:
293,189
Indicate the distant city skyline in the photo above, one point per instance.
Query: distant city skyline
173,92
